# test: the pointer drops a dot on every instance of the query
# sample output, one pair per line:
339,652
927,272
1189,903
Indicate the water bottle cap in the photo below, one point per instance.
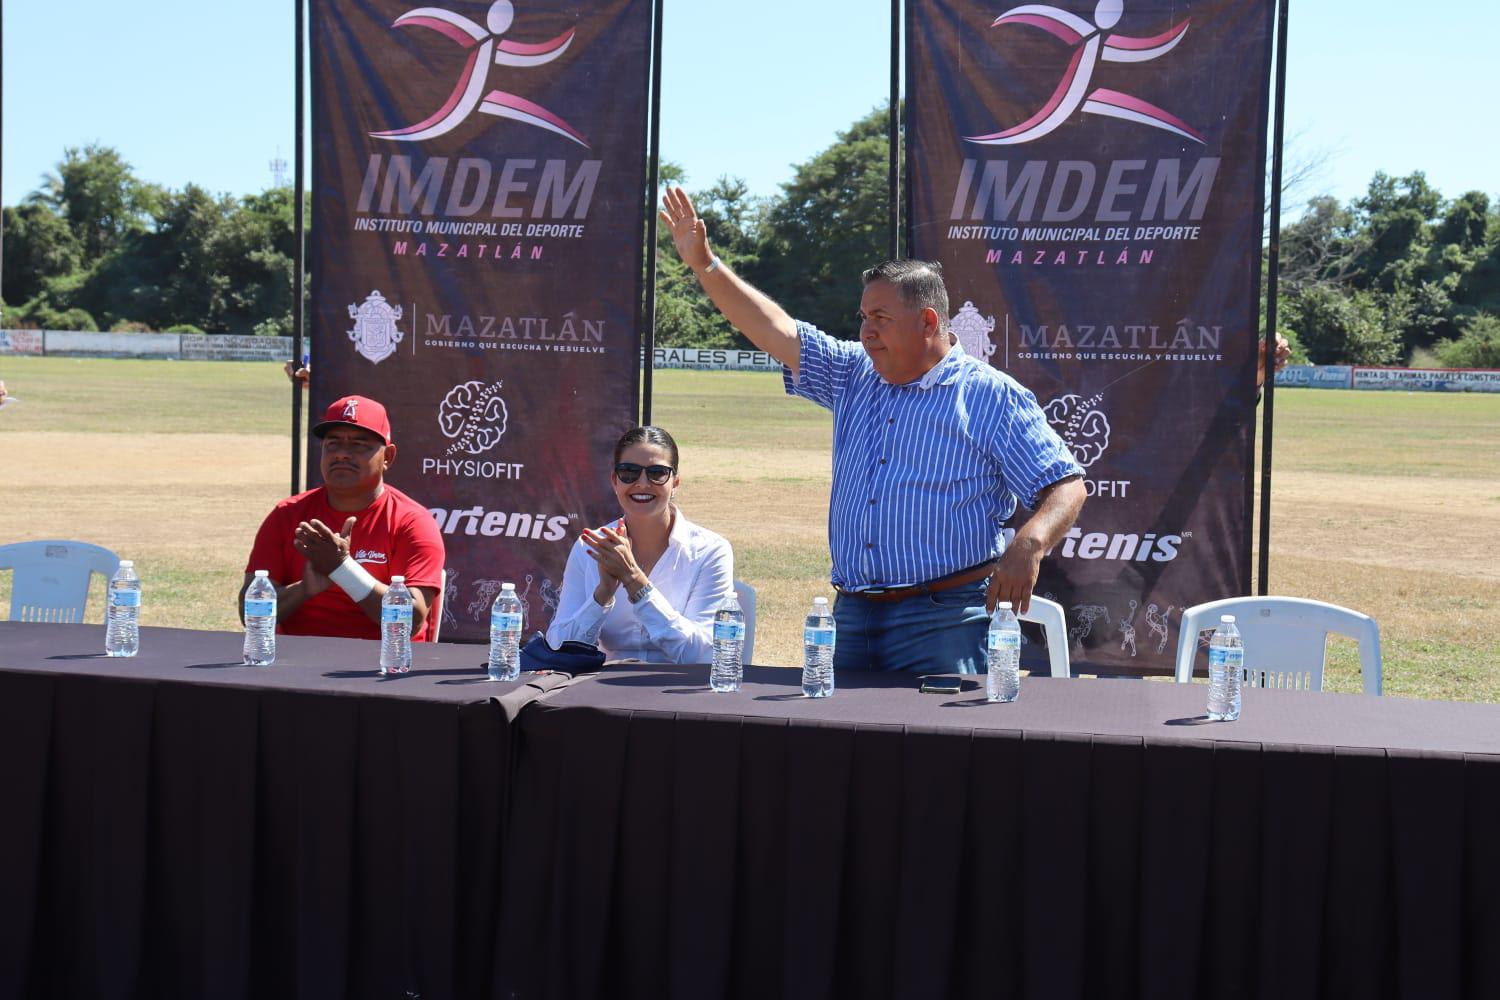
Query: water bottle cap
262,572
1227,619
398,579
507,586
820,600
126,563
1003,604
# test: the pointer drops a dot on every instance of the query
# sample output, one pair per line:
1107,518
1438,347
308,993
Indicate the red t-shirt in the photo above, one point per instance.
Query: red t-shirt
395,535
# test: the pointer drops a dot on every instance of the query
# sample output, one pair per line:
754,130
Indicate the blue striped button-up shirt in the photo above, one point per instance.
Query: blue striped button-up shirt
925,473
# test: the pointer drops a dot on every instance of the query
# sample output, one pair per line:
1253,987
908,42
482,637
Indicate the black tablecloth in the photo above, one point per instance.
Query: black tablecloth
180,825
1092,840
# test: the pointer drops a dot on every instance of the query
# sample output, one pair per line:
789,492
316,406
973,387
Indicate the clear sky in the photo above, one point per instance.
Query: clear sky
201,90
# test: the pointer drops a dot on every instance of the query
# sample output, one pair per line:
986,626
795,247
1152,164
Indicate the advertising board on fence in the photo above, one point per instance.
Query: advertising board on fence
478,220
1428,379
1315,376
713,358
21,342
1090,176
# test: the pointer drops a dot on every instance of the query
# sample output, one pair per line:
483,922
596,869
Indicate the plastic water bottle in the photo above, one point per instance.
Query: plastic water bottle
1003,655
728,668
395,628
818,637
260,621
1226,669
505,635
122,623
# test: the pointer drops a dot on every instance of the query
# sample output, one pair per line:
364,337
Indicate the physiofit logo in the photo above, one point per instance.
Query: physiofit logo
1081,424
473,416
973,331
485,48
375,334
1091,43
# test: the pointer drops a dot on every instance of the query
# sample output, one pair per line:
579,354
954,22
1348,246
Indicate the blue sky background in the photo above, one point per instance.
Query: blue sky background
201,90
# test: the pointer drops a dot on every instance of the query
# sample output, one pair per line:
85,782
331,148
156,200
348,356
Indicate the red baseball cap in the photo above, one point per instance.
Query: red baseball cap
356,411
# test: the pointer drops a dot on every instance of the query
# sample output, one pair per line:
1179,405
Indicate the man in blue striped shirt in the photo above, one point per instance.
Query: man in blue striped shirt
932,449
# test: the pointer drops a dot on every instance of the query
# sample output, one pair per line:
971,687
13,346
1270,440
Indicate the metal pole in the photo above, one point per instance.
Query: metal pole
298,256
893,181
653,170
1273,270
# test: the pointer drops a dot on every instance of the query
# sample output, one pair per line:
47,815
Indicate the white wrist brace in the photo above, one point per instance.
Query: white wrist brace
353,579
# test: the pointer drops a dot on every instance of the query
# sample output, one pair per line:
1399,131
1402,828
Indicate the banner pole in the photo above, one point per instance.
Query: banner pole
653,171
893,181
1273,270
298,261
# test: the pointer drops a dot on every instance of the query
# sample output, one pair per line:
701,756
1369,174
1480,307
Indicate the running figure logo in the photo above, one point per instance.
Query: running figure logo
1090,44
485,47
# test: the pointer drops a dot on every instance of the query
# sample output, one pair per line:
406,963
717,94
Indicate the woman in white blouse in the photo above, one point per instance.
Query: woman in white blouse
645,587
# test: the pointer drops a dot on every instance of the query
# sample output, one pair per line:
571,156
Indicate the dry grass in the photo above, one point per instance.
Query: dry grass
1385,502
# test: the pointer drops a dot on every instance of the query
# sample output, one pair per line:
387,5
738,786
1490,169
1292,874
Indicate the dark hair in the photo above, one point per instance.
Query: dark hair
920,283
647,435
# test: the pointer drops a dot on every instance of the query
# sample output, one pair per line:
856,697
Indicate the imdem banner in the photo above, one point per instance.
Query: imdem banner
1090,175
478,181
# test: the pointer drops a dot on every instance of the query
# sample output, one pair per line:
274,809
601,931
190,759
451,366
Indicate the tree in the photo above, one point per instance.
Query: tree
1336,328
1477,347
38,246
830,224
97,193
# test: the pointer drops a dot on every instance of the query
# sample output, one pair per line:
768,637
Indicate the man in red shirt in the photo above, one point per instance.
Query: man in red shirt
330,581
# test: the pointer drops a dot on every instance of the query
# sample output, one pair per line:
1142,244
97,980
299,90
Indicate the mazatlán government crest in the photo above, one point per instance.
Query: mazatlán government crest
375,333
973,332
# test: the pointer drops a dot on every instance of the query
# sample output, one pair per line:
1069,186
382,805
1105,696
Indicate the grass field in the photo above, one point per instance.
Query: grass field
1385,502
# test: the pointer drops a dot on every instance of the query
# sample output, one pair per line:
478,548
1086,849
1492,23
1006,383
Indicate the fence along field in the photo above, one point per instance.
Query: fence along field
1387,502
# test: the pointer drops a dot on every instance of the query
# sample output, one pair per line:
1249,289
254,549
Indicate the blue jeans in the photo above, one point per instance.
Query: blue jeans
942,633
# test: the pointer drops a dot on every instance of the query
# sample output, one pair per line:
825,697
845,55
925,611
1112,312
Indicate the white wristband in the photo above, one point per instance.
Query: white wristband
712,265
353,579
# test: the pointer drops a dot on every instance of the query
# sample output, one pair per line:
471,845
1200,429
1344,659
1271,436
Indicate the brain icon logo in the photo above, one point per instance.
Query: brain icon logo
474,416
1081,425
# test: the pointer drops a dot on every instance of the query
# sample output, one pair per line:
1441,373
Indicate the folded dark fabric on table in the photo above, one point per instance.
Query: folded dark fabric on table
571,657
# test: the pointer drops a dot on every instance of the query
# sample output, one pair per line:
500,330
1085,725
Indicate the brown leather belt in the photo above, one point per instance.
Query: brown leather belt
971,575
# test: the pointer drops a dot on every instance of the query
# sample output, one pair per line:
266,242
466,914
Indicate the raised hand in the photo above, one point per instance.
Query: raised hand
689,232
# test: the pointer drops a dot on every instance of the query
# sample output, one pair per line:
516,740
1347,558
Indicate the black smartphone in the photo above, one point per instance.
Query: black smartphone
941,683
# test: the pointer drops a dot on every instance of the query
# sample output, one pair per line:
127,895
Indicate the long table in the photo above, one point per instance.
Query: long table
180,825
1094,839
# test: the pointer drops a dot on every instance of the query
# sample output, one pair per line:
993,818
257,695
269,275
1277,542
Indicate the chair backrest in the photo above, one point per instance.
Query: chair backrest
1049,615
51,578
745,594
1285,639
435,613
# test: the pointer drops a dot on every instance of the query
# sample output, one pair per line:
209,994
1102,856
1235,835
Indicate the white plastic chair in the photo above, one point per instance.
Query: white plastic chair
435,613
51,578
1049,615
1285,640
745,594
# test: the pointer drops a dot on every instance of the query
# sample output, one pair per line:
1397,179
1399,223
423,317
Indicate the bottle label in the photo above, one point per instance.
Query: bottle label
264,607
1219,656
389,614
817,636
1005,640
729,631
506,621
125,598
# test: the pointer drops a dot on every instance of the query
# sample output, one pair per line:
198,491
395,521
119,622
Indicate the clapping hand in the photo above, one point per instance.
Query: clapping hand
321,547
610,548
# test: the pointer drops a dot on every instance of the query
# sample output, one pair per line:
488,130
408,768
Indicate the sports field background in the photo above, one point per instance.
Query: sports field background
1384,502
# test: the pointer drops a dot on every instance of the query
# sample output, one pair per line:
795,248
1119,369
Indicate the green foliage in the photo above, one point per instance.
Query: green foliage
182,328
1339,328
830,224
1477,347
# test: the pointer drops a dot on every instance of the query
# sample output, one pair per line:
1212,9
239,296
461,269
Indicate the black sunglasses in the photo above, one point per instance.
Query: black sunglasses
629,472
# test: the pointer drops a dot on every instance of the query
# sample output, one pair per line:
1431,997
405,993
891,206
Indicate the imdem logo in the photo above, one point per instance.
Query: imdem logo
1091,44
485,48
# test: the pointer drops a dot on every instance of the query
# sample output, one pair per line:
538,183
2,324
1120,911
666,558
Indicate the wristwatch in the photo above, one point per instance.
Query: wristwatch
642,594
